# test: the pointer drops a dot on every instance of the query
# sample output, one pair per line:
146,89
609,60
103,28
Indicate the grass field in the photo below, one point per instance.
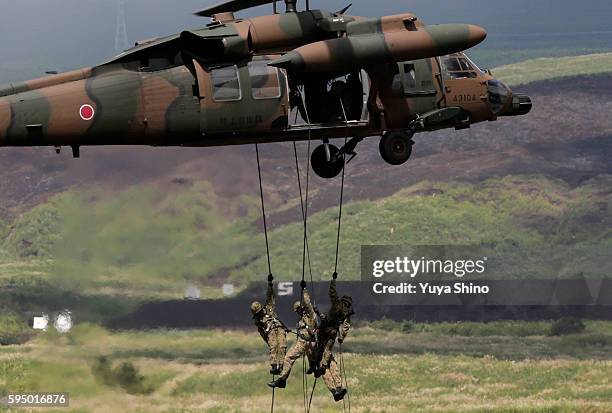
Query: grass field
501,367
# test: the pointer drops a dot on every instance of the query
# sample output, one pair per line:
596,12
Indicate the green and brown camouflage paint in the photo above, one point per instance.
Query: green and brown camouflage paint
174,105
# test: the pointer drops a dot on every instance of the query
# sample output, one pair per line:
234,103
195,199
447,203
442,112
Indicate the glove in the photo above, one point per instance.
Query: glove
340,340
303,284
270,278
335,276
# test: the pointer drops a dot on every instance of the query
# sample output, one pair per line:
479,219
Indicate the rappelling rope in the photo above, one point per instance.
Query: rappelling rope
304,207
314,385
304,384
306,249
335,275
265,225
343,377
263,209
272,404
340,215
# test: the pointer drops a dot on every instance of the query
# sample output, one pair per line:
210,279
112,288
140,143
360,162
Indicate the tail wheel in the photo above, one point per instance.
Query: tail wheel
396,147
327,166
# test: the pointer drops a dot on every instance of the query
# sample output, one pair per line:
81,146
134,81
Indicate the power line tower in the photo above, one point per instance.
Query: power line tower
121,37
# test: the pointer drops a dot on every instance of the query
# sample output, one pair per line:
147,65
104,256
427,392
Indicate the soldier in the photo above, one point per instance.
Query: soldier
271,328
334,325
306,338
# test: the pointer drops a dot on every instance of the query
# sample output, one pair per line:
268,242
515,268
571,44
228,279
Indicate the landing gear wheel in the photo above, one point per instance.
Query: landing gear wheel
396,147
322,166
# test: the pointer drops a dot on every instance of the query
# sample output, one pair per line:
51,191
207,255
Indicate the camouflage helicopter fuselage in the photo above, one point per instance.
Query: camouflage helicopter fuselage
236,81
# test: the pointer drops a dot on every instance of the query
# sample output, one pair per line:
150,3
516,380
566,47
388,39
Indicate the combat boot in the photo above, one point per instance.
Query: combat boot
339,394
281,382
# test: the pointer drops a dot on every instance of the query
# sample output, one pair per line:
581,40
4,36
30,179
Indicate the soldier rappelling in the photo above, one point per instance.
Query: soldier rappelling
306,338
334,326
271,328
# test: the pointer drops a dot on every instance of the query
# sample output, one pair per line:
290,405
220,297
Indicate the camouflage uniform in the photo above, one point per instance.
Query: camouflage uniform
272,329
335,324
332,377
306,340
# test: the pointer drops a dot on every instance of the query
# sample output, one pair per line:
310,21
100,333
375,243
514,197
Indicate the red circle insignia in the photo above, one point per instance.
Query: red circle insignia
87,112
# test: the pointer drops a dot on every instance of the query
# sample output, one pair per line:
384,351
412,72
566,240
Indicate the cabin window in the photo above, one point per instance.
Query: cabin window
264,81
226,86
410,83
396,85
458,66
413,78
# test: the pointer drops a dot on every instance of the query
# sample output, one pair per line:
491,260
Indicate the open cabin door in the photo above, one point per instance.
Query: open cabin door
331,102
242,98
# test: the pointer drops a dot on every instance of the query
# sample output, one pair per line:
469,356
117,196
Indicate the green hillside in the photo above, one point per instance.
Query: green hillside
147,243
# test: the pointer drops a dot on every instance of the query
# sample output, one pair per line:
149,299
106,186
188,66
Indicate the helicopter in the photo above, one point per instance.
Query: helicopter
295,75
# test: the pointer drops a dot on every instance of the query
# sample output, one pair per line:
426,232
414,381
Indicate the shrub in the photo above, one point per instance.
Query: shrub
13,329
126,376
102,370
407,326
129,378
566,326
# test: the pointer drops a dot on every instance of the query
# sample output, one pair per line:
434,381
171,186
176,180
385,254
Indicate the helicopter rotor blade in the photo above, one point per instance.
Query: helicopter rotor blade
232,6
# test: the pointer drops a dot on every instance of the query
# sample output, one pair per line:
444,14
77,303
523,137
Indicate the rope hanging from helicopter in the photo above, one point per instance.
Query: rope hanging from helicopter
342,366
306,249
307,399
265,225
335,274
306,254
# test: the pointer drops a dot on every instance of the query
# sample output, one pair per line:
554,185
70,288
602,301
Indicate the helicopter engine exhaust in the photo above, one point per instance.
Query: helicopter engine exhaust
521,105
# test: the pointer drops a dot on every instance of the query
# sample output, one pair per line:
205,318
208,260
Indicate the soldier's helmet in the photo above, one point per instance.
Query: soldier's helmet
256,307
297,306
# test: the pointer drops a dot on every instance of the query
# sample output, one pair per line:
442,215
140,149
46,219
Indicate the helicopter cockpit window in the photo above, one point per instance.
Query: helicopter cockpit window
264,81
226,86
458,66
